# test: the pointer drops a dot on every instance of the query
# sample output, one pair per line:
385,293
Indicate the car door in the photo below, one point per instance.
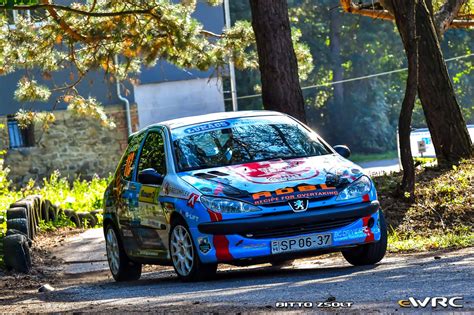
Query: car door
150,230
125,192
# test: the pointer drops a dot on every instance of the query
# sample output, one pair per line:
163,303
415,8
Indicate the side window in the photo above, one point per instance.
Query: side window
153,154
127,164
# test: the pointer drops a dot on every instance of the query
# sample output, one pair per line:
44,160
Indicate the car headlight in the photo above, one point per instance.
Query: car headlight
223,205
357,189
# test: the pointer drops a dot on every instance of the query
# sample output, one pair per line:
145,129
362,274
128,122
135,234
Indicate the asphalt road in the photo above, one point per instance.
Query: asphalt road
378,288
381,167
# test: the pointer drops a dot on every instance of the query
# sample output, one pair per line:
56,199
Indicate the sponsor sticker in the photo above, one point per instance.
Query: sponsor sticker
192,200
291,193
148,194
204,245
207,127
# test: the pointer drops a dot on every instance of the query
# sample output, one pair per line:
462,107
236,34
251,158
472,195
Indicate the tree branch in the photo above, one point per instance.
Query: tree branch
80,12
450,10
52,10
446,14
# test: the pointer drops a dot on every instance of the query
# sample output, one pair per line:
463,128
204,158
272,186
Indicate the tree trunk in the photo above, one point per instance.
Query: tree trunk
336,109
405,15
443,115
281,90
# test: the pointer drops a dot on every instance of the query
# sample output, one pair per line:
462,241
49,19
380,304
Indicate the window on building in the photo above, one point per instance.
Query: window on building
20,137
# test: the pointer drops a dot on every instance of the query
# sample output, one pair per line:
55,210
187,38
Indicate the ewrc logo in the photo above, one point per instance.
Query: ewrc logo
433,301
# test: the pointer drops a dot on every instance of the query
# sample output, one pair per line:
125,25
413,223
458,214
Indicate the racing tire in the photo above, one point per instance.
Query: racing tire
184,256
369,254
121,267
19,225
17,253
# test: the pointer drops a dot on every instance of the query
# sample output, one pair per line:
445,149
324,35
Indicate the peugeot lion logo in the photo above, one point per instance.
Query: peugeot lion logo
299,205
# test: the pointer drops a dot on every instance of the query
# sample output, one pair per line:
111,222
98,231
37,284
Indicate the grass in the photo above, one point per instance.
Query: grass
362,157
459,238
442,215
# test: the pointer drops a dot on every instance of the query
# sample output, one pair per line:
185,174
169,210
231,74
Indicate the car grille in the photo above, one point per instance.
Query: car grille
305,228
285,203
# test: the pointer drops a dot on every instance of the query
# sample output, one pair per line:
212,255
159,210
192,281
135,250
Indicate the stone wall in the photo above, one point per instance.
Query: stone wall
72,145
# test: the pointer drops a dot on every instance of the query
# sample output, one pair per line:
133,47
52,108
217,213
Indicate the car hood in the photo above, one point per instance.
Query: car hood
274,181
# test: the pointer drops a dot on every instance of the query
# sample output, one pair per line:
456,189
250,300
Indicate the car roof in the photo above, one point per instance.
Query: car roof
192,120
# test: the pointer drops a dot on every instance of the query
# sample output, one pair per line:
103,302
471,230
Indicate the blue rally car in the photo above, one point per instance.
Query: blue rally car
238,188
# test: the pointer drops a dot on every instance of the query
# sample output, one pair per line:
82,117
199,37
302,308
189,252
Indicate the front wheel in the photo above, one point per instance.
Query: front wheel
185,258
369,254
121,267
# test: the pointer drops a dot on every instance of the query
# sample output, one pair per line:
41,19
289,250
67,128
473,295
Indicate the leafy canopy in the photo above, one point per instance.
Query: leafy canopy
87,36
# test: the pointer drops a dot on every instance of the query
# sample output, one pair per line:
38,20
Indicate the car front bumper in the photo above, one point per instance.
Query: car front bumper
251,238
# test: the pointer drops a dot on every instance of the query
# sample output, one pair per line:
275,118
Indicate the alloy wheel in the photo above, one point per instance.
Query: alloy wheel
113,254
182,252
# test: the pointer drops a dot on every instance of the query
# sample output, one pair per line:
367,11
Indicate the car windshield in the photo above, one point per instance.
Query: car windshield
243,140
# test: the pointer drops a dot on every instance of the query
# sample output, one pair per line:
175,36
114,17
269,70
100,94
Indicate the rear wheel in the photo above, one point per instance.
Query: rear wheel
121,267
184,256
369,254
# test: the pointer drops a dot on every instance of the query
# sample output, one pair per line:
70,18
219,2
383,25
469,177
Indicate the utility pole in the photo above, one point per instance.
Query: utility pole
233,85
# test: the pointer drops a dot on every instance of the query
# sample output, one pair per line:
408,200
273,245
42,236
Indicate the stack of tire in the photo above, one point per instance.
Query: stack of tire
23,219
22,225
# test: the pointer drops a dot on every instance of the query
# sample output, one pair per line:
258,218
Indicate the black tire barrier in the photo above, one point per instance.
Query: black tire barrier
72,216
96,214
87,219
44,209
36,200
53,212
20,225
17,253
97,211
17,213
32,223
14,232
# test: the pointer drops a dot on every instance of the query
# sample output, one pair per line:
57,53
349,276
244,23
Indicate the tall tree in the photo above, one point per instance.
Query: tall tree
281,90
337,104
443,114
405,10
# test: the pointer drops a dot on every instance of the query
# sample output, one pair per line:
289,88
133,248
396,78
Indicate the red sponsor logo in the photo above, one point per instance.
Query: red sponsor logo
192,200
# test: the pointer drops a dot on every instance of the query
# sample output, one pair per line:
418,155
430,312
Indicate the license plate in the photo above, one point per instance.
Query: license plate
301,243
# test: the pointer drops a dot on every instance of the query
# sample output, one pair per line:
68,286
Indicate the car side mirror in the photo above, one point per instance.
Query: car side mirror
150,176
343,151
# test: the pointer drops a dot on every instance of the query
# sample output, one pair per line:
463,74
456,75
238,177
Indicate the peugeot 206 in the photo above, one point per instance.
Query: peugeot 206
237,188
